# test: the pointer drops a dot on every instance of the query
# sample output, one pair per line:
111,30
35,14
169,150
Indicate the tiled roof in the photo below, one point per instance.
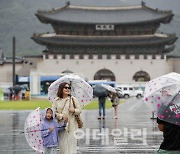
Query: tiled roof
75,40
10,59
104,15
33,56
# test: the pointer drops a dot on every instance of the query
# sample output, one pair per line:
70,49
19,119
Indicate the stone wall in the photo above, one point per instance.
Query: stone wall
6,72
123,68
176,65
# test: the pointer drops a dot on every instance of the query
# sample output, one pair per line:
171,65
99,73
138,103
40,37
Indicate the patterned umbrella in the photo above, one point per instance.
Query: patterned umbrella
79,89
32,130
162,94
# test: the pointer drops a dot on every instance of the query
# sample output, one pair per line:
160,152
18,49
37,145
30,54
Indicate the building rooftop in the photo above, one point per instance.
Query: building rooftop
33,56
104,15
6,60
134,40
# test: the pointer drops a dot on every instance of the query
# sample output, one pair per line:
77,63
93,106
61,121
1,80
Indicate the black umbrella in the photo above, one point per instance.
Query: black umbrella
17,89
100,91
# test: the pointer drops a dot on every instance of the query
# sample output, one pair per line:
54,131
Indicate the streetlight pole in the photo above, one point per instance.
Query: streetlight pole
13,61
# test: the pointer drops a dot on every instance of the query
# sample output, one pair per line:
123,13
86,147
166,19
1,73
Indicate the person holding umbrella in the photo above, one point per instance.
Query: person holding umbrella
49,132
102,93
102,105
171,134
17,89
115,103
68,95
163,94
65,111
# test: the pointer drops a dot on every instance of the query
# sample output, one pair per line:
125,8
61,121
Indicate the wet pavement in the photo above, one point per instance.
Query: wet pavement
133,132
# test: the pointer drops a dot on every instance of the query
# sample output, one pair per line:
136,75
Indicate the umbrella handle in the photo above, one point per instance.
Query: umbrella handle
38,130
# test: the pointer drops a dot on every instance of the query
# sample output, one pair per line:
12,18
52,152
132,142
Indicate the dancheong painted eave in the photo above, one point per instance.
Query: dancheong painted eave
105,15
79,40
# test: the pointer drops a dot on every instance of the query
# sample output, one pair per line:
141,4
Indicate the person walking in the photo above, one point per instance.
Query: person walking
102,106
115,103
65,111
171,141
49,132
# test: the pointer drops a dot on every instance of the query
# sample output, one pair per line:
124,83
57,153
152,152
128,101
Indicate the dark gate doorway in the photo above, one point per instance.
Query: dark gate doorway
104,74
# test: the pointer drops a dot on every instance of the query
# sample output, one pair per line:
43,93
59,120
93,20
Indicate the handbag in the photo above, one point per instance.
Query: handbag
78,117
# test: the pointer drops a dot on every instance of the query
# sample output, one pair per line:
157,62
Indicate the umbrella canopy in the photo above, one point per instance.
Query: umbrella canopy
32,130
162,94
17,88
79,89
161,82
100,91
109,88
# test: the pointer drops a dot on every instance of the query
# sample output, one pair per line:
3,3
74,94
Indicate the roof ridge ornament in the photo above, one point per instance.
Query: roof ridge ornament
143,3
68,3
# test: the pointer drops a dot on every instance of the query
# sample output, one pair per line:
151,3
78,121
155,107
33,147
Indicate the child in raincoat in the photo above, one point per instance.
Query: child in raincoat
49,132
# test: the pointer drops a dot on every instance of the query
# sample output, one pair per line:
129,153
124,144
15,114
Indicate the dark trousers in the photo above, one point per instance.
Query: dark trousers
102,104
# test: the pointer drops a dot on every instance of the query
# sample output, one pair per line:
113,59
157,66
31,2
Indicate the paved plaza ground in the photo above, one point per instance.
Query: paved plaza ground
133,132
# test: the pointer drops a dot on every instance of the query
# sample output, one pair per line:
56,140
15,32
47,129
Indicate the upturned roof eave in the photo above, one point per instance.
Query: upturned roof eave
47,20
42,41
104,8
44,19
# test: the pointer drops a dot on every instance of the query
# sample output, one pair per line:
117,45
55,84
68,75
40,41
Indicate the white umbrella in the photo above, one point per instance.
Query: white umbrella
109,88
79,89
162,94
32,130
161,82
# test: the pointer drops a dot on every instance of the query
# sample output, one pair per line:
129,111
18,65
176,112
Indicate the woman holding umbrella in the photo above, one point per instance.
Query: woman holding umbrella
115,103
65,110
163,94
68,94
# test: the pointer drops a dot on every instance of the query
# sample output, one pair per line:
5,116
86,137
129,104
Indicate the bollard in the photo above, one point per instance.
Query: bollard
153,117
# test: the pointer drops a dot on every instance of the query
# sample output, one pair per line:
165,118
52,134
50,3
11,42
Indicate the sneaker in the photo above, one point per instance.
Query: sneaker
103,117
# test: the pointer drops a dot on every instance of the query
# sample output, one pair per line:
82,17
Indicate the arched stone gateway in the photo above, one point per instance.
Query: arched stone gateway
104,74
141,76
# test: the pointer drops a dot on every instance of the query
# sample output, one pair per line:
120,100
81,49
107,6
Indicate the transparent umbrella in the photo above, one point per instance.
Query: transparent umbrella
162,94
79,89
32,130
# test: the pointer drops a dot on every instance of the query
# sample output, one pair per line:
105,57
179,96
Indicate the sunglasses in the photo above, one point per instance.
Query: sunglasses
67,88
